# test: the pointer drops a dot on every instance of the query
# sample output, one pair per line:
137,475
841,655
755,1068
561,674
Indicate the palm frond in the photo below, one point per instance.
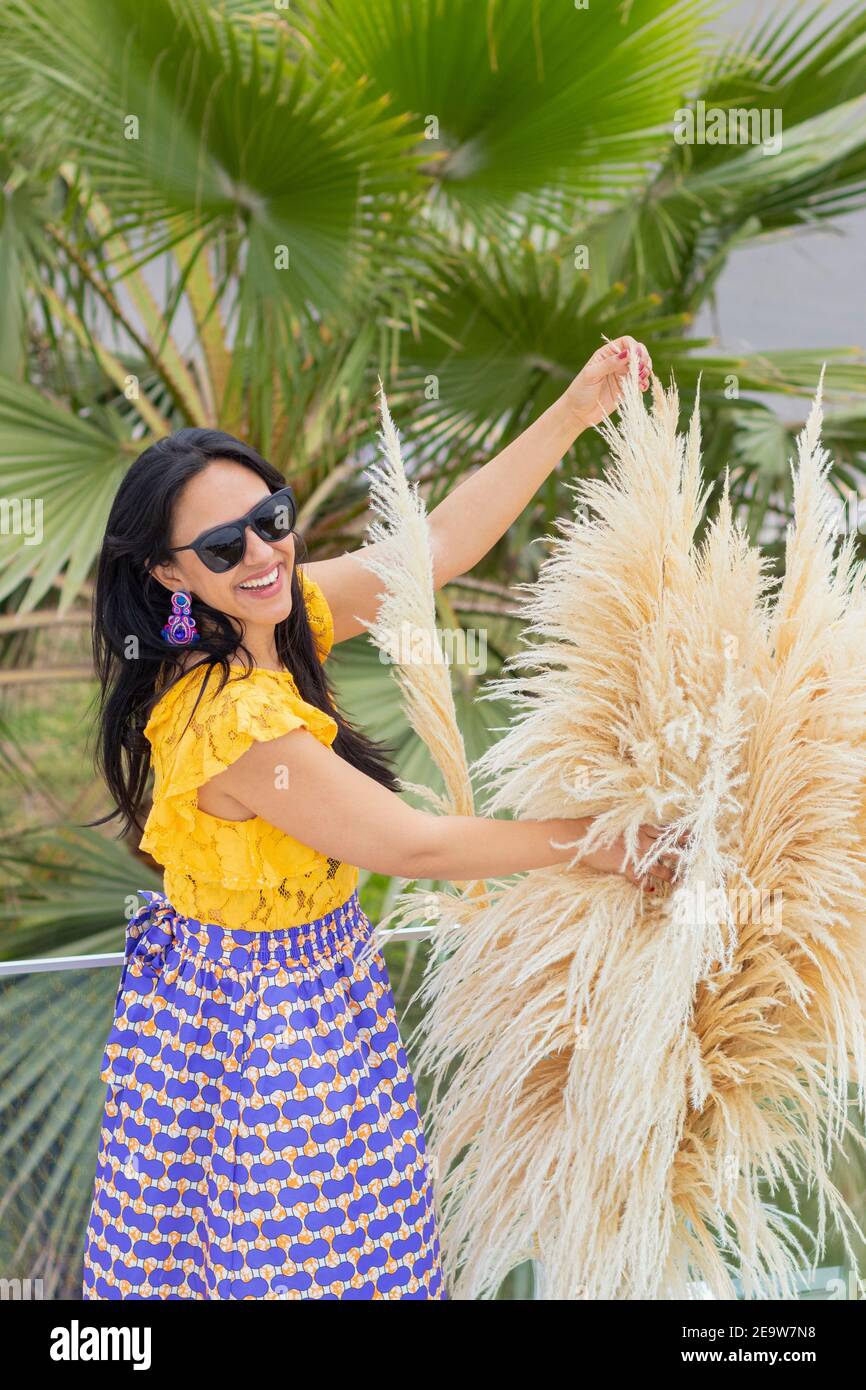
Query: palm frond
589,91
62,471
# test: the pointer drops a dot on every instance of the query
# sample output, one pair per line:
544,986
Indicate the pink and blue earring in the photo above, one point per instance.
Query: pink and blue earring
180,630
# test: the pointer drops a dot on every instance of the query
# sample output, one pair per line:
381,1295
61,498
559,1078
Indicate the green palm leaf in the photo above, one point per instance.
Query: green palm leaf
66,892
707,198
508,98
501,337
186,122
64,470
50,1104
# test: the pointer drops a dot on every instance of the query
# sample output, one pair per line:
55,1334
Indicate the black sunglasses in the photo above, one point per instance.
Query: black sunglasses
223,547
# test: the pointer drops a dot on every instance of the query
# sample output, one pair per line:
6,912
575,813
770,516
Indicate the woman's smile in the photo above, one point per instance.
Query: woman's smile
265,583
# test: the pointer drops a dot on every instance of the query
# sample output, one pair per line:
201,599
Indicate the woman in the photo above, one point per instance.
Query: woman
260,1136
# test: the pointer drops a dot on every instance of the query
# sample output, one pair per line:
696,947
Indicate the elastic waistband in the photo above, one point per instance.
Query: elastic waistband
158,924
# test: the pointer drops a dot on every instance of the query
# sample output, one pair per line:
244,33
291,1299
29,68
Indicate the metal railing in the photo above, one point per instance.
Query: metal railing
46,964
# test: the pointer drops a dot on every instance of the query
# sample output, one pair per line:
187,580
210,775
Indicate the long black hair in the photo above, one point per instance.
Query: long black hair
136,666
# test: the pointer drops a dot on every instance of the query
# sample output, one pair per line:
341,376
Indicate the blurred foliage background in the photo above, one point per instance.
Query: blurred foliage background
239,214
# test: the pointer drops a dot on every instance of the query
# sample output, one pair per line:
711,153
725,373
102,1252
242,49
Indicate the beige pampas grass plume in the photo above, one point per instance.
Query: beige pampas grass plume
620,1087
405,631
782,1033
405,625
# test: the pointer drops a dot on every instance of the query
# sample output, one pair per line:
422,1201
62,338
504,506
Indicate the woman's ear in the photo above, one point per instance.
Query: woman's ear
167,576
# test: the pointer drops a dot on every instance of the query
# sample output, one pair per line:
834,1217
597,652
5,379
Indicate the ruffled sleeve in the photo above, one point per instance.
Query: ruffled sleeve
320,617
192,745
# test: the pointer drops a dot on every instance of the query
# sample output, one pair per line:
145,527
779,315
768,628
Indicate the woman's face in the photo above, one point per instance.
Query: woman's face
225,491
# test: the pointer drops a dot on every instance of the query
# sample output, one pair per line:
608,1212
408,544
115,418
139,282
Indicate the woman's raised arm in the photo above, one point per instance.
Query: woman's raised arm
476,513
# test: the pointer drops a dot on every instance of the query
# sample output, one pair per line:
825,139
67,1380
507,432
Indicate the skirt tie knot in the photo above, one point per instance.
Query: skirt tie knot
150,932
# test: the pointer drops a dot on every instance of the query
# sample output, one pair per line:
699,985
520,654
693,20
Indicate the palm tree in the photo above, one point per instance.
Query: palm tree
224,213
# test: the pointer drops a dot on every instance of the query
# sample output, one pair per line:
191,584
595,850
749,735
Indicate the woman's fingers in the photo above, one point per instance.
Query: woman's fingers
666,866
659,873
624,349
652,832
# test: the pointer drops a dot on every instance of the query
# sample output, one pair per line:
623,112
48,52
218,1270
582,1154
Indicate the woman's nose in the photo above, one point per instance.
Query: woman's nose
257,551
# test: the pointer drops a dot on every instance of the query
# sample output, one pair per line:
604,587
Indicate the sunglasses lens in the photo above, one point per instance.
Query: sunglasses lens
275,518
223,549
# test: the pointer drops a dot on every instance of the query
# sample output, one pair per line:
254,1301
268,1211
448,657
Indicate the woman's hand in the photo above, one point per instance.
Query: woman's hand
596,390
610,860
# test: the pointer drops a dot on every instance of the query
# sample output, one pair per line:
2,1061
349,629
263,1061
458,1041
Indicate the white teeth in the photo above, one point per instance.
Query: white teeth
263,582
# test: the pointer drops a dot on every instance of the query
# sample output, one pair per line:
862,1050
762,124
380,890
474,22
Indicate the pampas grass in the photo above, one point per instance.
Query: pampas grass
404,627
622,1087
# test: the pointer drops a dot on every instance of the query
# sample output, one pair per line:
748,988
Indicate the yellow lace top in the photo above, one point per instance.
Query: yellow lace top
245,874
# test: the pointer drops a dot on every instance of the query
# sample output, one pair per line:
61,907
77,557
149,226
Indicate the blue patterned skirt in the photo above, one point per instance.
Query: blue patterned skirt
260,1136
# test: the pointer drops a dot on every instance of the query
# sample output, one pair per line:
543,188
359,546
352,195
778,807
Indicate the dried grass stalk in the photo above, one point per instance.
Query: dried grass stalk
405,630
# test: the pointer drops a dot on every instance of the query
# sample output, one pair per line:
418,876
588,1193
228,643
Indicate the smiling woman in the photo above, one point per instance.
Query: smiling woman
260,1135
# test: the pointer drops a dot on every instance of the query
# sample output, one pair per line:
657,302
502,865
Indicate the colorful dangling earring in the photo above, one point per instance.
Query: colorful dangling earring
180,630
